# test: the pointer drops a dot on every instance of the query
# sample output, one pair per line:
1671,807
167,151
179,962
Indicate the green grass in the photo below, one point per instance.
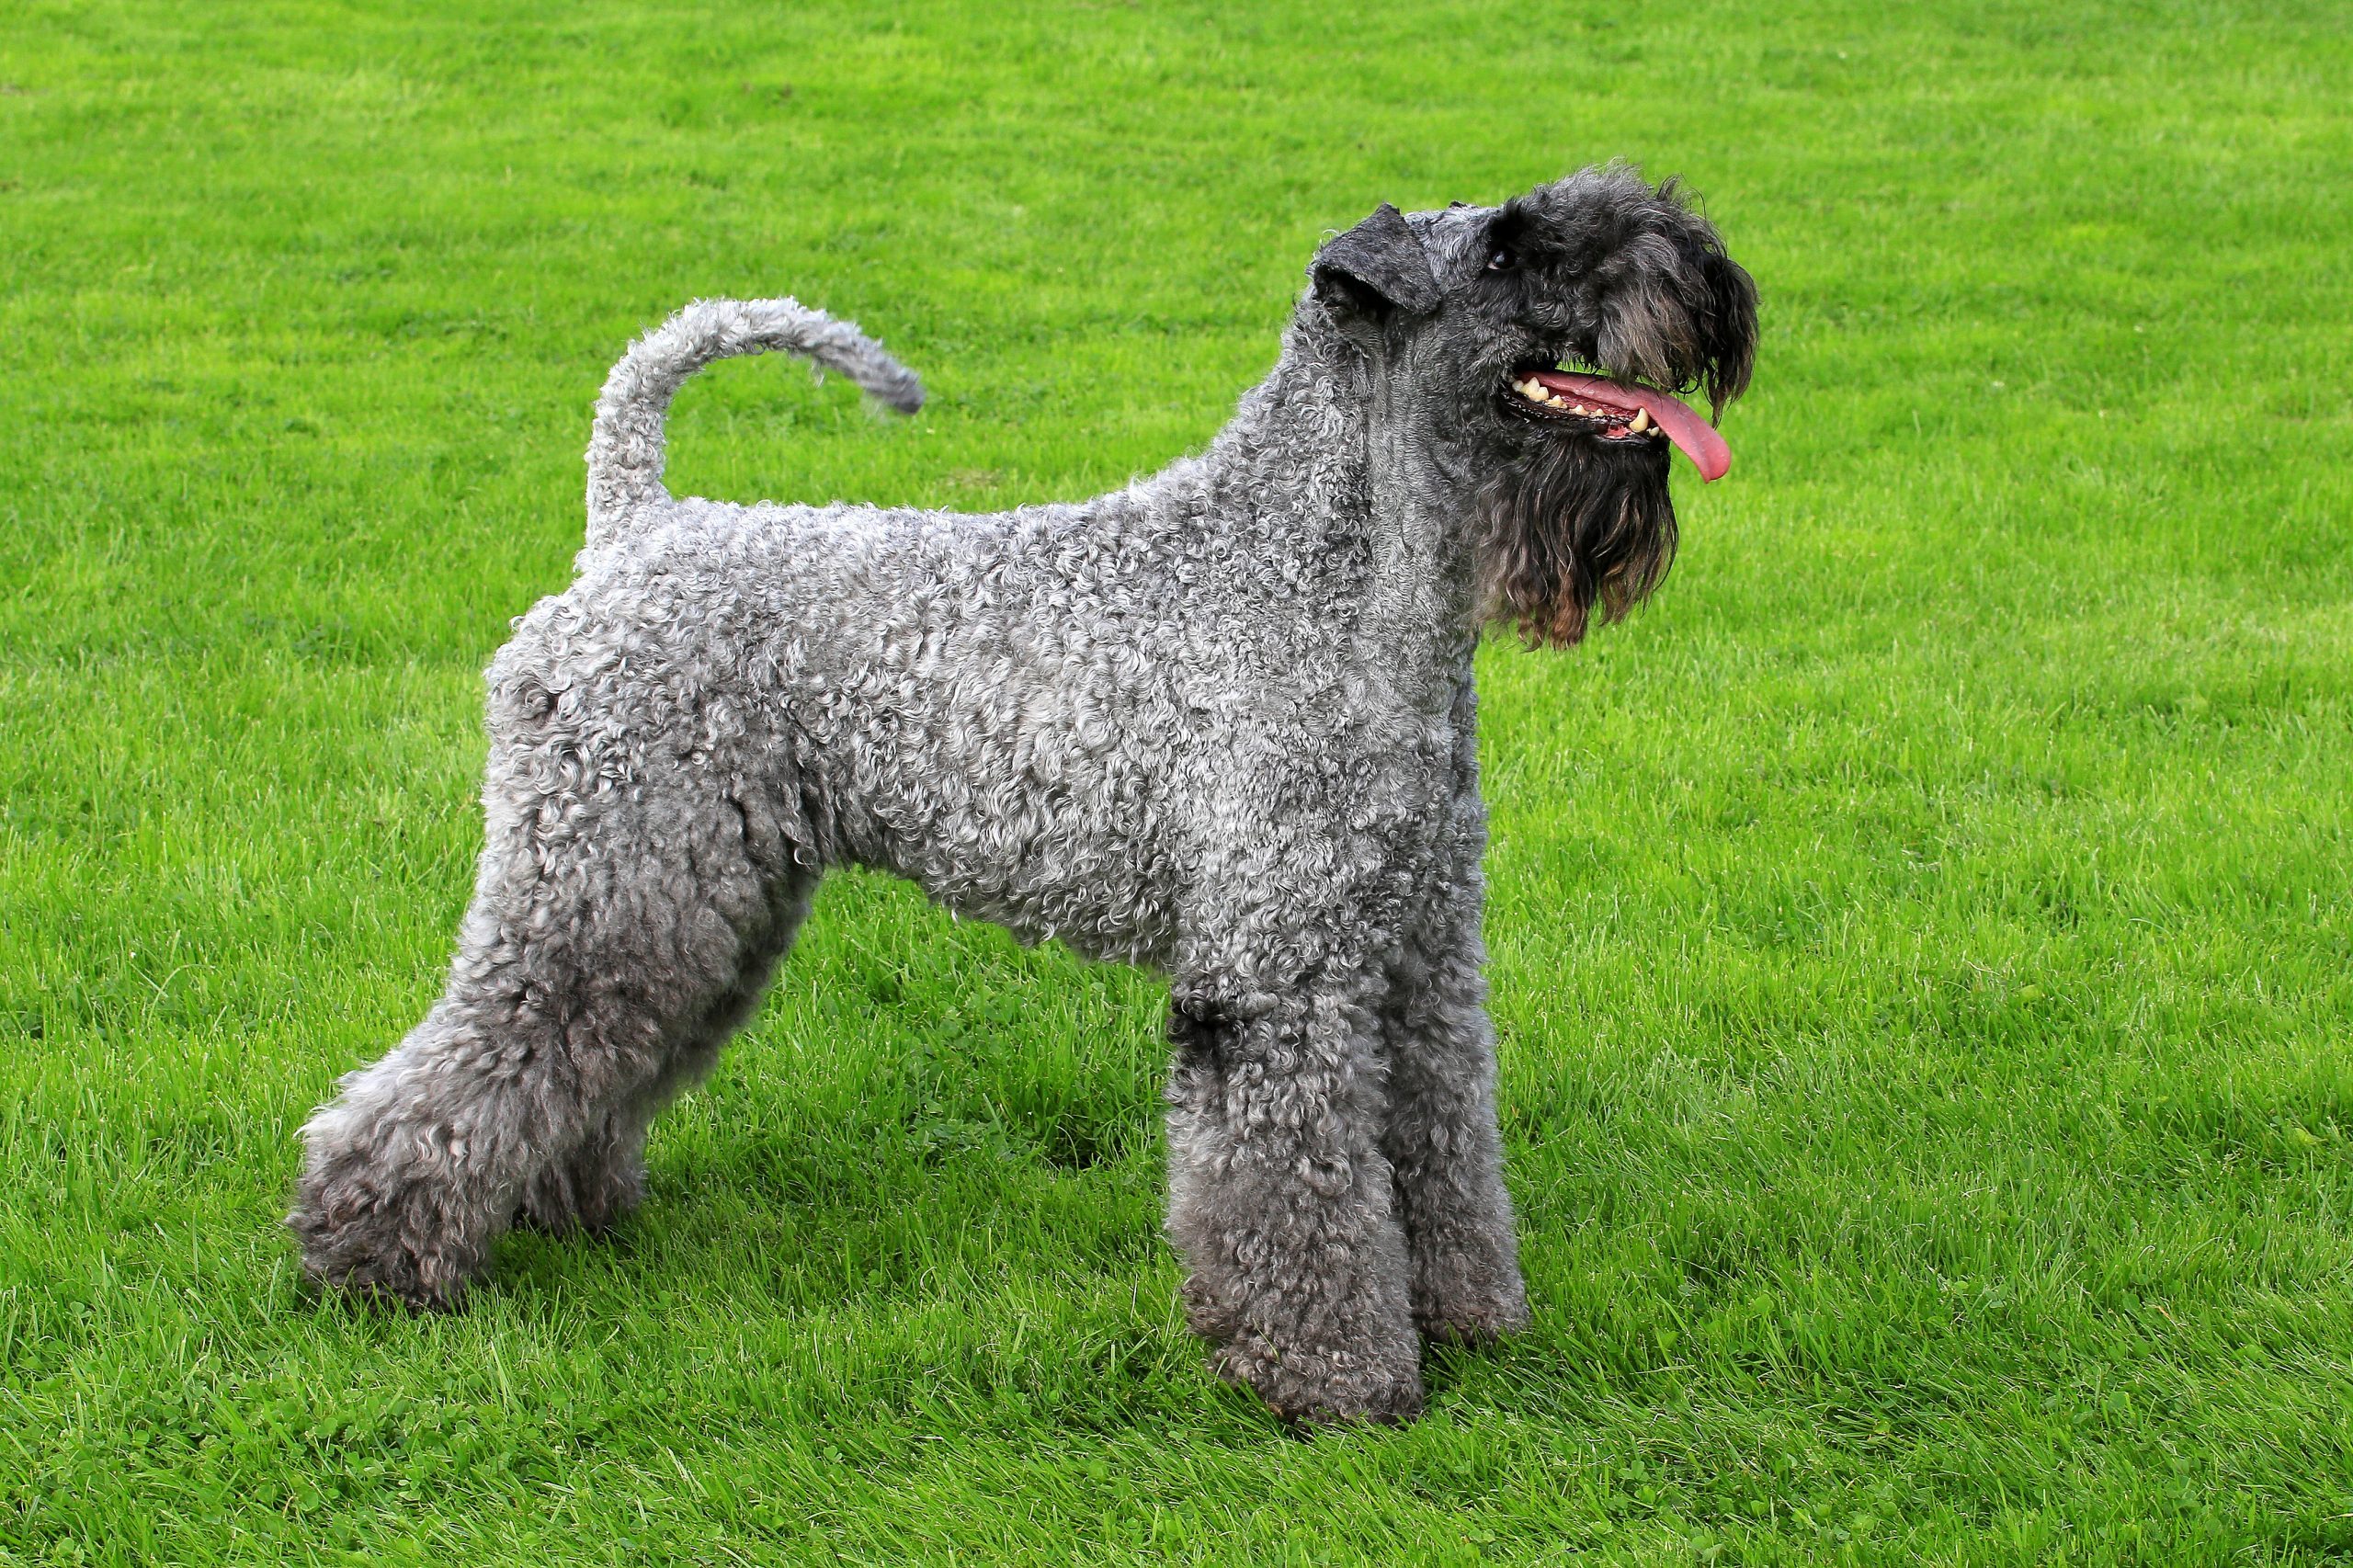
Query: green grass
1923,940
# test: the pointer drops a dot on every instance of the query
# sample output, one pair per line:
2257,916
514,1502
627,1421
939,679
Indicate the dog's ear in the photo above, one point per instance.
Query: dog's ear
1376,269
1730,328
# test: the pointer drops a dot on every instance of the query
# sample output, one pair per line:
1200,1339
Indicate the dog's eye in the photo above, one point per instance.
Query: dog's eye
1500,259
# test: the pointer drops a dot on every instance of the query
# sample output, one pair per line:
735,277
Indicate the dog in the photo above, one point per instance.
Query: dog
1221,722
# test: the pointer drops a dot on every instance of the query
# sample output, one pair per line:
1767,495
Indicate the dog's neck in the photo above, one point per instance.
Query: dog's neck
1373,483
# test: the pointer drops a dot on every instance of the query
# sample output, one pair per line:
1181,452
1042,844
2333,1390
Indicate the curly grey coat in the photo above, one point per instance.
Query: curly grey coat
1220,721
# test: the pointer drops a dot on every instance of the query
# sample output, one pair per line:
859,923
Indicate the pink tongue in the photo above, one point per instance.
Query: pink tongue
1684,428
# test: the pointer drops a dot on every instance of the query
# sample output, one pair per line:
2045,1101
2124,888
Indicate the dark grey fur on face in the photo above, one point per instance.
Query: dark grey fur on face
1222,722
1600,270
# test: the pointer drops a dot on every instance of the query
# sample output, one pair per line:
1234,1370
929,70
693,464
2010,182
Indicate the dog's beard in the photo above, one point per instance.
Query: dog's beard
1576,525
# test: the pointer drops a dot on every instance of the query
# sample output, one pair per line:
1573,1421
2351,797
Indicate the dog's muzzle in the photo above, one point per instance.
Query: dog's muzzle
1624,411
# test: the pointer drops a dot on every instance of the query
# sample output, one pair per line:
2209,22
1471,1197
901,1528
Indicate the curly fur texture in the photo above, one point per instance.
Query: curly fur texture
1220,721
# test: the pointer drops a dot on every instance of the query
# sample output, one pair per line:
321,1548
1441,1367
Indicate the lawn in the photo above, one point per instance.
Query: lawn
1923,937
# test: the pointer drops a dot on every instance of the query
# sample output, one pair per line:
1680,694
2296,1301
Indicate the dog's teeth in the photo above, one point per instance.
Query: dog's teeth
1642,421
1557,401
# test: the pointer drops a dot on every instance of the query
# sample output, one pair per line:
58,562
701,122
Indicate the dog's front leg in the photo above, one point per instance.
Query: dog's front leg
1281,1201
1442,1136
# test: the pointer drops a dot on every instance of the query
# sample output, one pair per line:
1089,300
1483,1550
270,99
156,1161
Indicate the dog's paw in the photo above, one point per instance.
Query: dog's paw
564,1200
1466,1285
1325,1387
1472,1316
371,1248
390,1275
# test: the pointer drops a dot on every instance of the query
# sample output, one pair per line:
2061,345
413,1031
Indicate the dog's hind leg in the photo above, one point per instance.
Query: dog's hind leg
1281,1201
1442,1138
576,1000
602,1180
622,914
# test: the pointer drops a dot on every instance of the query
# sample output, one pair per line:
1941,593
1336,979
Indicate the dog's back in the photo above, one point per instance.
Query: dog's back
966,701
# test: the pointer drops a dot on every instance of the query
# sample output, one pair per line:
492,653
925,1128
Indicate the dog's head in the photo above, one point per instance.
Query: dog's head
1538,347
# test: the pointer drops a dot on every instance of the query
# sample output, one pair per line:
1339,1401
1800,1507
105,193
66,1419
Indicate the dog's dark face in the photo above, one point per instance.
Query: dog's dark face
1536,347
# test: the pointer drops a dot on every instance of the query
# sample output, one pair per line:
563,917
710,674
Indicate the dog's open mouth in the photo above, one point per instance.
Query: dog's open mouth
1622,411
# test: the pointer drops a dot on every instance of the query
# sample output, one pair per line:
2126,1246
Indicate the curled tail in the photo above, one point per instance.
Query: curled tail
625,446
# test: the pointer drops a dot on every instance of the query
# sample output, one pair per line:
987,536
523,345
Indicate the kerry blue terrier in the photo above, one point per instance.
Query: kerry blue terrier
1220,721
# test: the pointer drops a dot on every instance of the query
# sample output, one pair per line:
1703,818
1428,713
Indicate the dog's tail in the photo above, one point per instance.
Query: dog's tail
626,444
